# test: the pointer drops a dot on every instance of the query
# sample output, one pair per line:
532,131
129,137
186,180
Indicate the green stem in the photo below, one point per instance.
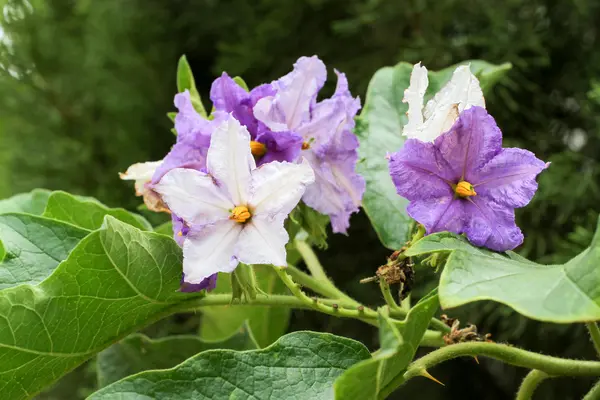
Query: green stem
311,260
387,295
530,383
595,335
510,355
594,393
319,287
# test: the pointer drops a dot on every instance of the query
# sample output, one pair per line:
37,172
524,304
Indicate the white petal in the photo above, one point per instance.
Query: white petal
229,159
210,250
263,241
276,187
273,117
414,97
141,173
194,196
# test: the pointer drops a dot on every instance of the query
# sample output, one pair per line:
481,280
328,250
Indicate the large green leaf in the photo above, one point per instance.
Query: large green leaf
399,343
33,202
115,281
267,323
379,129
34,247
88,213
137,353
563,293
185,80
301,365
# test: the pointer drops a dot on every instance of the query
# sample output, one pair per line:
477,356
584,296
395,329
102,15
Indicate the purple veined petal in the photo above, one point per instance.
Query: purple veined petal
207,284
188,123
180,229
420,172
491,224
182,155
338,189
209,249
439,214
276,188
327,120
229,160
262,241
509,178
296,93
264,90
473,140
194,196
281,146
227,96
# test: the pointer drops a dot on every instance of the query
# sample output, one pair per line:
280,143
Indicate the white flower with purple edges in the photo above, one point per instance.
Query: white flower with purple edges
439,114
234,212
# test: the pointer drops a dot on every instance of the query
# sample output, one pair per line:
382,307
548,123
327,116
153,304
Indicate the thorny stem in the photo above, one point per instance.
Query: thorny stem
511,355
595,335
530,383
594,393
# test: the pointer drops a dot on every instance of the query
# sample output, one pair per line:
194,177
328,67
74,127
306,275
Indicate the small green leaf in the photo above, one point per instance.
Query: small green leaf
88,214
137,353
185,80
241,83
563,293
243,283
267,323
379,129
399,342
33,202
301,365
171,115
34,247
117,280
309,222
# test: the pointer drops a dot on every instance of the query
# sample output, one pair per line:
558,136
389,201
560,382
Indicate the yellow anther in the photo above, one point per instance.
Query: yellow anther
465,189
179,233
305,145
258,149
240,214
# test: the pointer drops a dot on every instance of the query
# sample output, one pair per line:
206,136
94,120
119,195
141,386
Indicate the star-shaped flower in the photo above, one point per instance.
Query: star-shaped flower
465,182
460,93
235,212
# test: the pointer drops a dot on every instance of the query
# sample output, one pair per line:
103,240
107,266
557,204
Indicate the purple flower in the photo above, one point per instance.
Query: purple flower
230,98
465,182
326,131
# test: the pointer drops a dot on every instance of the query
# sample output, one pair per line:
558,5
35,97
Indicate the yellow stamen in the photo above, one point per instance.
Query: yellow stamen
258,149
305,146
240,214
179,233
465,189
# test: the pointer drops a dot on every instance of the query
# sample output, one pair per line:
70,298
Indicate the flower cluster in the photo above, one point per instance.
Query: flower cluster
453,169
224,209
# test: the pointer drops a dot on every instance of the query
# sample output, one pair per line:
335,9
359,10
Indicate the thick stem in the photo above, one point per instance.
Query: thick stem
510,355
595,335
594,393
530,383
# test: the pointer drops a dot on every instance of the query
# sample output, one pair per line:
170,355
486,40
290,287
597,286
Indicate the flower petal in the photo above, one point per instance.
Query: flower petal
491,224
263,241
183,155
227,96
473,141
420,172
210,249
509,178
281,146
296,93
141,173
229,159
414,95
193,196
188,123
276,188
439,214
209,284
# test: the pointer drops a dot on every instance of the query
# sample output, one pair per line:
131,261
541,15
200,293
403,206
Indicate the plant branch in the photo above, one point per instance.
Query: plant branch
511,355
530,383
311,260
594,393
595,335
388,297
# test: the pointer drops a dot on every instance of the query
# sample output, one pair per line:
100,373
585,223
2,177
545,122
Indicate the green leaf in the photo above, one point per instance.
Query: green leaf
117,280
33,202
34,247
137,353
88,214
308,222
399,342
379,129
165,229
563,293
185,80
301,365
241,83
171,115
267,323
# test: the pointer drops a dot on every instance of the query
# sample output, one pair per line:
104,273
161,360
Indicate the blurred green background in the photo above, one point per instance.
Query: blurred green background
86,84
